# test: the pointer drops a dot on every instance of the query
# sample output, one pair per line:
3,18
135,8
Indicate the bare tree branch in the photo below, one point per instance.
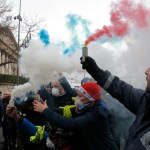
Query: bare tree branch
5,10
30,27
32,24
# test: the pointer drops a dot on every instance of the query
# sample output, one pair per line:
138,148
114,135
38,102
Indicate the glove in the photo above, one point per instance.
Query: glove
91,67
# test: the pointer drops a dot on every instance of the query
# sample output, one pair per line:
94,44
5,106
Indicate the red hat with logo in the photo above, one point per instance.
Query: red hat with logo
91,90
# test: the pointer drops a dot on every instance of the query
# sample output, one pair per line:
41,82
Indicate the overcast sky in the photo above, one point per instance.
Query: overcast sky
55,11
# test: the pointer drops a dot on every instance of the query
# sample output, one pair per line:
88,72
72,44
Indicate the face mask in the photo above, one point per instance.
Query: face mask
78,103
55,92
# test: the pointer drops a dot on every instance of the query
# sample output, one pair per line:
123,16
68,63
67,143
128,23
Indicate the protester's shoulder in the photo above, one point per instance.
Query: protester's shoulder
141,91
100,111
146,97
142,94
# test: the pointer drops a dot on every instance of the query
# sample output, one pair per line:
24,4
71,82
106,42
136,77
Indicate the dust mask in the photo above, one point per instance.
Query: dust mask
55,92
78,103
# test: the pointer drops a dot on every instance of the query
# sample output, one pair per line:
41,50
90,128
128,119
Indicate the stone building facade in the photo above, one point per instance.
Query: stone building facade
8,58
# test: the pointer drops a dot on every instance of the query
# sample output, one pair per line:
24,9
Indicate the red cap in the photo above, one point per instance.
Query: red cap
91,90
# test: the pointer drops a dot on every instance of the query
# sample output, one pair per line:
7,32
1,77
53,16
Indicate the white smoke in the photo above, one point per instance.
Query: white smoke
41,64
21,89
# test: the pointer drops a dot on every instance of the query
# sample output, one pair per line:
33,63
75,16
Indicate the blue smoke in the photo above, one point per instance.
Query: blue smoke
44,37
73,22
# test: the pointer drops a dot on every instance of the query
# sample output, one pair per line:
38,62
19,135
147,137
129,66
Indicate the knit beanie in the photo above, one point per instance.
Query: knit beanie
91,90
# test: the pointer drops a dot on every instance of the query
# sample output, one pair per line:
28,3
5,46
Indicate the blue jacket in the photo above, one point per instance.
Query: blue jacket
26,126
90,127
135,100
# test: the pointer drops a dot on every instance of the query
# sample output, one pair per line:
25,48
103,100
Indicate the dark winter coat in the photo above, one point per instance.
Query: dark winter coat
135,100
72,92
91,128
1,111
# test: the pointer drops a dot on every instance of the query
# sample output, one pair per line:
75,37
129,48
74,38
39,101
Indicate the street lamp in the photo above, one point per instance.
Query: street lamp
20,19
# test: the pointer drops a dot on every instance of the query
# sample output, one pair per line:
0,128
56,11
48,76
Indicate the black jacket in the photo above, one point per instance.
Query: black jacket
1,111
91,128
135,100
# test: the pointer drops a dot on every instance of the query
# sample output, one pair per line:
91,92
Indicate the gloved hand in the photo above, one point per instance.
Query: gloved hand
90,65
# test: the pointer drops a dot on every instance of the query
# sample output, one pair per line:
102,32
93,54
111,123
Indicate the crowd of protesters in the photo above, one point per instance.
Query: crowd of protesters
59,117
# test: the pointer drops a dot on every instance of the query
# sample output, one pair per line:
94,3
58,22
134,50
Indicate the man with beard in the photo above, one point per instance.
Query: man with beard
135,100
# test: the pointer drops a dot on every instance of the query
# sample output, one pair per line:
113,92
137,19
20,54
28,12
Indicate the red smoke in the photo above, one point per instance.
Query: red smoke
122,15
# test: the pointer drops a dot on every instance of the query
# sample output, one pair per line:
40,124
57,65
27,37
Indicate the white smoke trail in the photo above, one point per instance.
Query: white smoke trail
42,64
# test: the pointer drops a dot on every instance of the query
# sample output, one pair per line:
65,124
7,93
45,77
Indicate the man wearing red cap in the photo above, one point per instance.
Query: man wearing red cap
90,122
135,100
